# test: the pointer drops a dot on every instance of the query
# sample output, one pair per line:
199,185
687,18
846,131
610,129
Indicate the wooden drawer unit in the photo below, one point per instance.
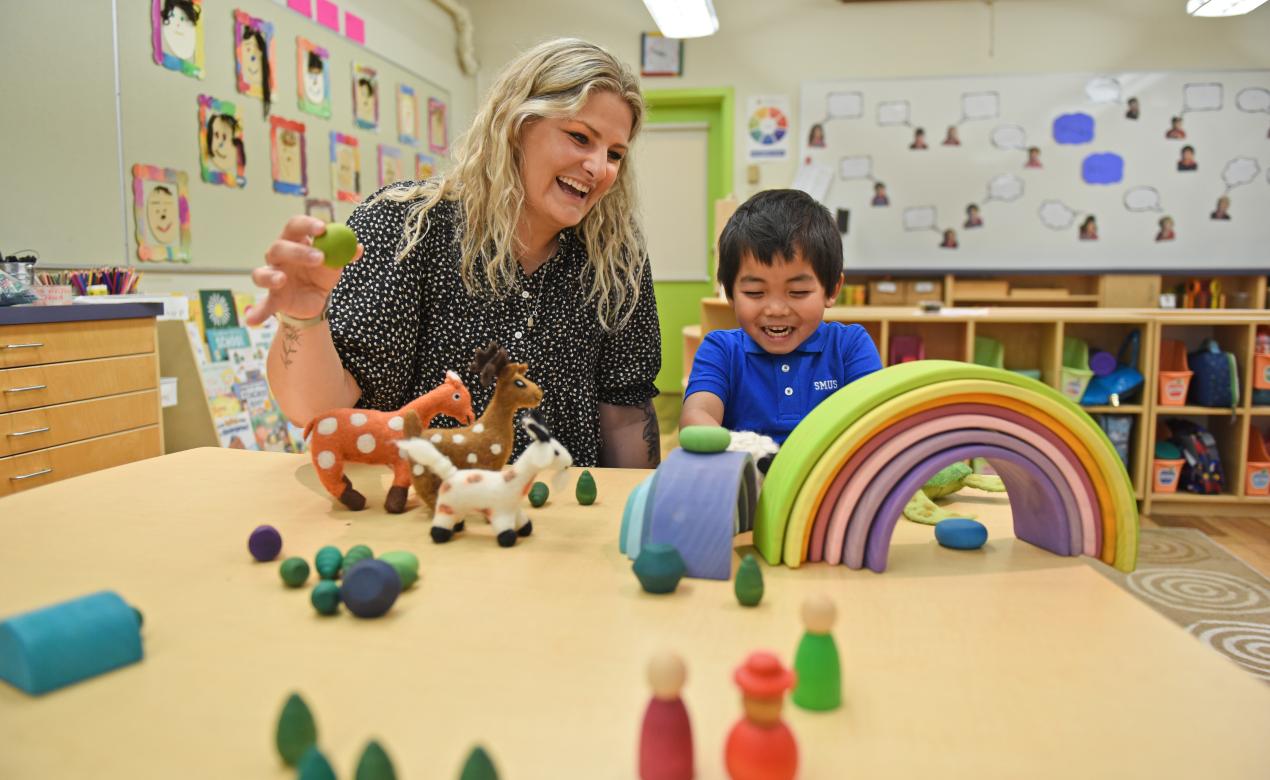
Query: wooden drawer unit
79,391
49,426
59,342
32,469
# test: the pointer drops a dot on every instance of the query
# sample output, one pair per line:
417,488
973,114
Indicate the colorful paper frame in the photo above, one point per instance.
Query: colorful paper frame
278,128
303,49
367,74
425,166
269,78
209,109
148,250
321,208
390,157
407,125
438,129
340,140
193,66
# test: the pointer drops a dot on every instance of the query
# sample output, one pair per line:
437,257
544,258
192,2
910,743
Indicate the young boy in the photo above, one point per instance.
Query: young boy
780,263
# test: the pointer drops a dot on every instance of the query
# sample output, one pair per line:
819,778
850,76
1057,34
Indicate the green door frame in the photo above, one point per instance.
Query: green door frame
679,303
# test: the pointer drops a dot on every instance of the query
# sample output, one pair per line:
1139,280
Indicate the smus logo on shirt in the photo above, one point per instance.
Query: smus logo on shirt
825,384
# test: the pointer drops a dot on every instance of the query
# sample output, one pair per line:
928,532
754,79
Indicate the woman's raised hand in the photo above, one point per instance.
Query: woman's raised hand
294,274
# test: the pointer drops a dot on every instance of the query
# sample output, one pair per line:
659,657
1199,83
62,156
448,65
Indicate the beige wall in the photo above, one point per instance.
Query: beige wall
771,46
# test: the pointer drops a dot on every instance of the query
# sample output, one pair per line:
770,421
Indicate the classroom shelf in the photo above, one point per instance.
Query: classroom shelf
1122,409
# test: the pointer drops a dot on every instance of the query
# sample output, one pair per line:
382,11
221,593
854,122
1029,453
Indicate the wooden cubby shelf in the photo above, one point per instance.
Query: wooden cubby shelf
1032,339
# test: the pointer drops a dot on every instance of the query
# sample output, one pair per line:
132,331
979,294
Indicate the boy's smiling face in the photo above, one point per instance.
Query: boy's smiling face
779,305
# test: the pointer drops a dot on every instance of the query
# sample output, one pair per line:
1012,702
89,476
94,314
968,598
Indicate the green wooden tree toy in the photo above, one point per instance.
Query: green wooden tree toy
314,766
297,731
585,489
375,764
478,766
749,582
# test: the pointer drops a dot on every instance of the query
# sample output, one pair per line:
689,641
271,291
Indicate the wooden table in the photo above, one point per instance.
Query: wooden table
1005,663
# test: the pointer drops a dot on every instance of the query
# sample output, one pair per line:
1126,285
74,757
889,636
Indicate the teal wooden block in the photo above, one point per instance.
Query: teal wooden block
55,646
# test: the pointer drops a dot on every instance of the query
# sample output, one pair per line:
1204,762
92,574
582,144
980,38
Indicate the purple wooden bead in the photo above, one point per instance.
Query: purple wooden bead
265,543
370,588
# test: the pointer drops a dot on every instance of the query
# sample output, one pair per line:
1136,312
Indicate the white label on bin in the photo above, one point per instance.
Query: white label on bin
886,287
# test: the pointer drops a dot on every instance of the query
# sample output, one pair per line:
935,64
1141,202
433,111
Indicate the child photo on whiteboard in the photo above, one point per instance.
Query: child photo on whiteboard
1132,111
973,219
950,239
1187,161
1033,157
1175,130
919,139
1089,229
816,138
951,138
1223,209
879,195
1166,230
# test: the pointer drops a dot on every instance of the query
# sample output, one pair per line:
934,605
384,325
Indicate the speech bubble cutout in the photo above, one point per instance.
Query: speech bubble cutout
1240,171
1201,97
1007,187
1253,99
1009,137
1102,168
894,112
855,167
1074,129
920,218
845,105
1055,215
980,105
1142,199
1103,90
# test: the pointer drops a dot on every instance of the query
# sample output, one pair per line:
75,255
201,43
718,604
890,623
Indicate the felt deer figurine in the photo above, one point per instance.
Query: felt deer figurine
487,443
497,495
368,436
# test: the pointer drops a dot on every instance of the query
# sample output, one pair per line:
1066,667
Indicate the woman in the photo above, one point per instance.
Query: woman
531,240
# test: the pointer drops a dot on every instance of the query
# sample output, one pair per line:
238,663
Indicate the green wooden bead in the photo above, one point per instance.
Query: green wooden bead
326,597
296,730
749,582
358,552
585,489
294,571
538,493
328,561
704,438
406,564
314,766
374,764
338,245
478,766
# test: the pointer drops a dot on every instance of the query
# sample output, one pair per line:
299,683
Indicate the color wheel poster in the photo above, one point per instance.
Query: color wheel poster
768,131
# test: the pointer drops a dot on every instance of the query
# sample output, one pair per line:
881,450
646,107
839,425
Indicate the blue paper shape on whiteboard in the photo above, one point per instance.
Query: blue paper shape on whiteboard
1103,168
1074,129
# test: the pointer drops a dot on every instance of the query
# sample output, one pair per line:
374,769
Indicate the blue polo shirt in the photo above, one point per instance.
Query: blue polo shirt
770,394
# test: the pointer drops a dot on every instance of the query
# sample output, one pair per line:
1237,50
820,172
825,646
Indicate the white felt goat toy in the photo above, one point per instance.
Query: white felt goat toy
497,495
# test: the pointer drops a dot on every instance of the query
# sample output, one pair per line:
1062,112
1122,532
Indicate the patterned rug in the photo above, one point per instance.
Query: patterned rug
1218,599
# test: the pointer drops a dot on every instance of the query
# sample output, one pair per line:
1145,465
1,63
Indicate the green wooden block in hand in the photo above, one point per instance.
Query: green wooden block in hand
338,245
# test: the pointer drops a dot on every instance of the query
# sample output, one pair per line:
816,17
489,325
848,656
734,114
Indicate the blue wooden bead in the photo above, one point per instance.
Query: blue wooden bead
370,588
960,533
265,543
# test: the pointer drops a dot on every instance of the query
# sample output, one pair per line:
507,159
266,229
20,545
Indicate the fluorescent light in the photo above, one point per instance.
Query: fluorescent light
685,18
1216,7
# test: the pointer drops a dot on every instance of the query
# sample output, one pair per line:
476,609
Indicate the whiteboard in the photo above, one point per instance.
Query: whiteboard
1092,159
671,173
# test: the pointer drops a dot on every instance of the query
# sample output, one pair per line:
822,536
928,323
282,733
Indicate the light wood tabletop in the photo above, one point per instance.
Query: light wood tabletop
1006,662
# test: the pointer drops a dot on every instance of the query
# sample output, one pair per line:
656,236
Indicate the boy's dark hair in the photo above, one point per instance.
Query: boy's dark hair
781,223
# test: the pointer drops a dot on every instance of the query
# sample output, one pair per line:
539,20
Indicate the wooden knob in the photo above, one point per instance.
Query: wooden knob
666,675
819,614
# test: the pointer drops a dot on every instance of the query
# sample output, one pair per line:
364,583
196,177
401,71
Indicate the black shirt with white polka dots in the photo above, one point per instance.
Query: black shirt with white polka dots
399,326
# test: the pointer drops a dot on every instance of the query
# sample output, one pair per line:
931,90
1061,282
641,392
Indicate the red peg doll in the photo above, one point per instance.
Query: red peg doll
665,742
760,745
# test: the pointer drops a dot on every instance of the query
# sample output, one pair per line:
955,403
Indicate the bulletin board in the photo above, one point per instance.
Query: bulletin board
223,160
1097,172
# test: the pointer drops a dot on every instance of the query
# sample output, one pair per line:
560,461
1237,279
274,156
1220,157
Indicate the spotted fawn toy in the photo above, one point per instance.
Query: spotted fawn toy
497,495
368,436
487,443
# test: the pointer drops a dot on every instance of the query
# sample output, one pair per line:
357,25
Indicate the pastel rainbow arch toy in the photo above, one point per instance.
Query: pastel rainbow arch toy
838,486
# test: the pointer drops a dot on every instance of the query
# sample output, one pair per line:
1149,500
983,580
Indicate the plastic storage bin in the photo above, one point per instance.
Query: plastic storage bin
991,353
905,349
1175,373
1166,474
1075,373
1257,483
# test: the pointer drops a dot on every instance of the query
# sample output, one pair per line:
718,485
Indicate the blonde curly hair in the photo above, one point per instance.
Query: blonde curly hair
551,80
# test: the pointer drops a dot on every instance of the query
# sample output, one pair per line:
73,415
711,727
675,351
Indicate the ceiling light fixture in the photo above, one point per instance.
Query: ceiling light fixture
685,18
1218,7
